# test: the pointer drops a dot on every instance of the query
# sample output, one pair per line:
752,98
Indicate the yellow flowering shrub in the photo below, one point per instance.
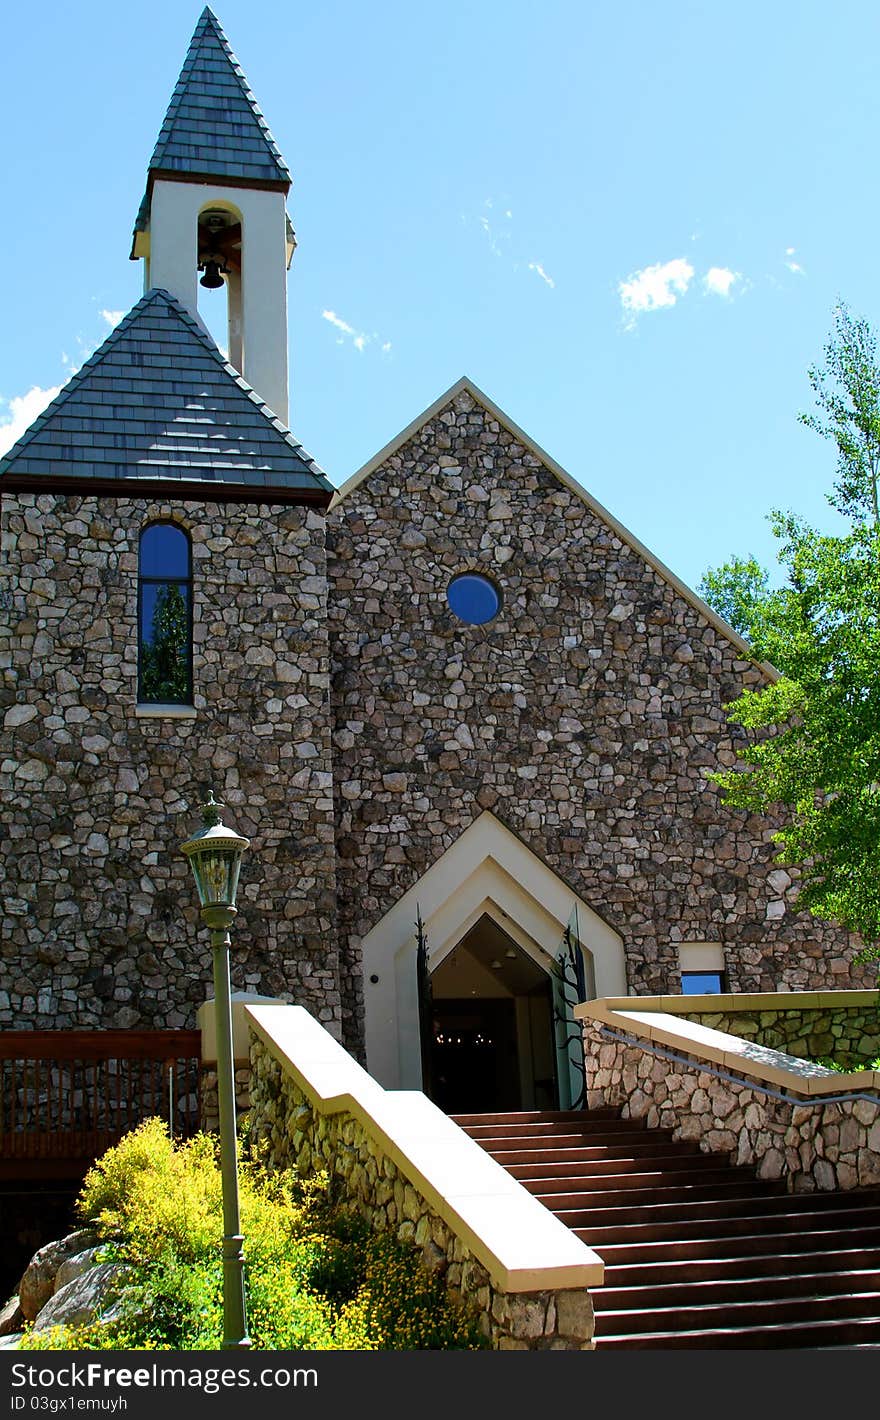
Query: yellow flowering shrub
316,1277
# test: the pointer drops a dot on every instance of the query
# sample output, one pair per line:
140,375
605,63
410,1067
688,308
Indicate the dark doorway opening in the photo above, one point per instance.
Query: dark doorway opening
492,1042
474,1056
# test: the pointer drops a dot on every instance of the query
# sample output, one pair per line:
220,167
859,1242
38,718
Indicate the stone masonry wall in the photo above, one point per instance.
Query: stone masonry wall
585,716
371,1184
811,1144
209,1101
848,1034
100,921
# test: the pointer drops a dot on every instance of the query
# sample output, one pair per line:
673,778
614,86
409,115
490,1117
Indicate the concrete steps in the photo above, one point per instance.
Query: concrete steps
697,1253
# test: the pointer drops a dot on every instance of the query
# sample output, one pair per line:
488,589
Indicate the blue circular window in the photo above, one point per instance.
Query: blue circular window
473,598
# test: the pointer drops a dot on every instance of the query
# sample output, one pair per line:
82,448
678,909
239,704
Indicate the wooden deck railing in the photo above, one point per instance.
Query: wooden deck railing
66,1096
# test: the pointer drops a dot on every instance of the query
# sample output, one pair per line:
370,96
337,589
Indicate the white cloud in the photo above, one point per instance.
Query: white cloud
359,338
494,239
500,234
536,266
655,287
719,280
340,324
793,266
23,410
112,318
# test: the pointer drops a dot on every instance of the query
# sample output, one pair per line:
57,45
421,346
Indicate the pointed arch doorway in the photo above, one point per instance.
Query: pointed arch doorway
492,1027
487,896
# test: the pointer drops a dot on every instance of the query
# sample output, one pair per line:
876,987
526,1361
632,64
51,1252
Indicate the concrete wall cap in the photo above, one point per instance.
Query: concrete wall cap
523,1247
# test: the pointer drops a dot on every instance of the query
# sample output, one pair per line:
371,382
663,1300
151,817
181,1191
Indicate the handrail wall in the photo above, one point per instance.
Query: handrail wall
411,1170
792,1119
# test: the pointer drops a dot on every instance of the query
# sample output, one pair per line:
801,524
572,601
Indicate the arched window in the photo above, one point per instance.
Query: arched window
165,616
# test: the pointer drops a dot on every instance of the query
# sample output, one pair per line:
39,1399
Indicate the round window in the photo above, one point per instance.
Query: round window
473,598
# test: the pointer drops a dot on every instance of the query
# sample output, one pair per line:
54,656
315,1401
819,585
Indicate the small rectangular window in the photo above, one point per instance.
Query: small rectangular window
702,983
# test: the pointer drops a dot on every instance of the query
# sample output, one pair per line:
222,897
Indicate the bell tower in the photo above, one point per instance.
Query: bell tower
214,212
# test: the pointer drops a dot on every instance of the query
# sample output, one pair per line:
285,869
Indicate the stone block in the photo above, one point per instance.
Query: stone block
574,1314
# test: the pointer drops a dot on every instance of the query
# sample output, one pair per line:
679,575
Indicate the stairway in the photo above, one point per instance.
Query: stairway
697,1252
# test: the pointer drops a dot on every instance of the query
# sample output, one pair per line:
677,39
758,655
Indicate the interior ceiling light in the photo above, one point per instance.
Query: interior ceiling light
496,964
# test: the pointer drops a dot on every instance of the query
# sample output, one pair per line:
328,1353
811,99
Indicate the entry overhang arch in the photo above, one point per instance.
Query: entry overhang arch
488,871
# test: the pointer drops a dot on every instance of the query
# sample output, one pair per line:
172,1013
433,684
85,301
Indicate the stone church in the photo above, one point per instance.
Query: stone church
455,692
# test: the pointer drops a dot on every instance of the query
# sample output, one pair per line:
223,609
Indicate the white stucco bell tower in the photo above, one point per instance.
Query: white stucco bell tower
215,211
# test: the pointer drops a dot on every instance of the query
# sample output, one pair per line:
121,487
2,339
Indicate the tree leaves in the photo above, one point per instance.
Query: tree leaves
813,737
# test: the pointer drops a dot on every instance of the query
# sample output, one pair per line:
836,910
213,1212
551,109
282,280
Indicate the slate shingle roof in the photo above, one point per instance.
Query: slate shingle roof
158,401
214,126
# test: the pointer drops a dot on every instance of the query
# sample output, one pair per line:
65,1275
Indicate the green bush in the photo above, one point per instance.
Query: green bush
845,1068
316,1277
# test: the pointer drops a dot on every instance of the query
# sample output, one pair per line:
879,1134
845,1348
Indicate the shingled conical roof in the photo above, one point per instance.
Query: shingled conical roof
159,405
214,127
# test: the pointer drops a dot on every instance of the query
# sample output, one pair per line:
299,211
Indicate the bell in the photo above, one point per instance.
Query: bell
212,278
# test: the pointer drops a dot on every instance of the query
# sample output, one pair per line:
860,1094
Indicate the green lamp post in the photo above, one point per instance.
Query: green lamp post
215,856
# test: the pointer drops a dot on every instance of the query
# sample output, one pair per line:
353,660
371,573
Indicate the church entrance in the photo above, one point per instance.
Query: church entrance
506,948
492,1033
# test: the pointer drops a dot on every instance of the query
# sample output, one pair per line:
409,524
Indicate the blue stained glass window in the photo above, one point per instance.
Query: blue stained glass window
164,551
165,616
473,598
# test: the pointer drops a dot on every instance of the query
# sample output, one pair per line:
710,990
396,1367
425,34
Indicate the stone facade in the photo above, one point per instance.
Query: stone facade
100,924
585,716
813,1144
369,1182
355,728
850,1035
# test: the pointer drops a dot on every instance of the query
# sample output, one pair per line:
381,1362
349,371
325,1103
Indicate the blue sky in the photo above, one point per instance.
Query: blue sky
628,224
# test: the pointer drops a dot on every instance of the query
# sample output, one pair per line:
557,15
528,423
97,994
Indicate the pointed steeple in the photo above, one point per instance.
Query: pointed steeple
215,203
214,127
158,408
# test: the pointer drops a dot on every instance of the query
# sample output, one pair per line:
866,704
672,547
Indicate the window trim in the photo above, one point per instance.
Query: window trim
144,700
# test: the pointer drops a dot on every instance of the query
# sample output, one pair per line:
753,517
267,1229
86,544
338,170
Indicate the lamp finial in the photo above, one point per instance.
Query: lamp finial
212,810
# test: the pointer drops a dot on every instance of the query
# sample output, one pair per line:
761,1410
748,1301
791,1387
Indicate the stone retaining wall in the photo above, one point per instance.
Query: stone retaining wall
209,1102
813,1144
367,1180
848,1034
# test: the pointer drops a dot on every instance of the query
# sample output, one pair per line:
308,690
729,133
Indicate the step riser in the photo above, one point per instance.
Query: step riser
566,1124
575,1156
535,1116
676,1249
643,1191
692,1210
569,1139
789,1311
774,1225
805,1337
652,1164
764,1266
754,1289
